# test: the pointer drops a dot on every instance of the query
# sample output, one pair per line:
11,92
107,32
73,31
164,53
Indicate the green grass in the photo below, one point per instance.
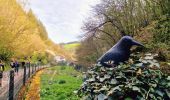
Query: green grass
71,46
58,83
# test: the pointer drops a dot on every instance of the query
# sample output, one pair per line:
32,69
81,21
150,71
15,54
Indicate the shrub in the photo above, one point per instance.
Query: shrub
139,79
162,31
63,68
61,82
5,53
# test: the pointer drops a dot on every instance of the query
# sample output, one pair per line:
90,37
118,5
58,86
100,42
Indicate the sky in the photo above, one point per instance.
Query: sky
63,19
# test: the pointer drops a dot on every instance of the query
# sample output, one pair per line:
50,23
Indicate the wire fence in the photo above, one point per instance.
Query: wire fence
12,81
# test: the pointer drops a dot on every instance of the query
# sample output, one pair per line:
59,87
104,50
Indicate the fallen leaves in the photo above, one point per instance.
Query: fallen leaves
34,90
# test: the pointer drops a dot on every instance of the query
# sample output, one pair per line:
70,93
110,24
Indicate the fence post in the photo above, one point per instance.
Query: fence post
11,85
29,69
38,66
24,77
35,67
32,68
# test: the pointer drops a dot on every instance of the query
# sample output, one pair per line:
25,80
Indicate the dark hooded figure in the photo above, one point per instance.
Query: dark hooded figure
120,52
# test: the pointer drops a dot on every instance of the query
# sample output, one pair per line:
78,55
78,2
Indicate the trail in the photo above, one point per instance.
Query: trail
34,89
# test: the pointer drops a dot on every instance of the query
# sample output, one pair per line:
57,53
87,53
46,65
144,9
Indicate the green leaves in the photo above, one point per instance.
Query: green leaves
101,97
128,81
135,88
168,78
5,53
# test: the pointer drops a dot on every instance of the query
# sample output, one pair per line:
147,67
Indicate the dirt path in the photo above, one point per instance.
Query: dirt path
34,89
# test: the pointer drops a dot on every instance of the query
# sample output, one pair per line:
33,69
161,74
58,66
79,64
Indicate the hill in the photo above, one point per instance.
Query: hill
71,45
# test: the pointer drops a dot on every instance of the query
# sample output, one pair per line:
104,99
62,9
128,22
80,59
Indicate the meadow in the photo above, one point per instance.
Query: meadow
59,83
71,46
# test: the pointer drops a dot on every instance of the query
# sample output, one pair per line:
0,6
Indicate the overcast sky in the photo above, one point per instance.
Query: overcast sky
62,18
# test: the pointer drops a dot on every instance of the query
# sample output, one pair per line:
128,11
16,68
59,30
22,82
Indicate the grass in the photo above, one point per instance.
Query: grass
71,46
58,83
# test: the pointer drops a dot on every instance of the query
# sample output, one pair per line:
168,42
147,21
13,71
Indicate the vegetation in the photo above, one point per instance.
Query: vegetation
59,83
23,36
140,79
145,20
71,48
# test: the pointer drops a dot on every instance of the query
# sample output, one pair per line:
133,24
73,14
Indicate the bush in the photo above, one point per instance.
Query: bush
138,79
162,31
61,82
5,53
63,68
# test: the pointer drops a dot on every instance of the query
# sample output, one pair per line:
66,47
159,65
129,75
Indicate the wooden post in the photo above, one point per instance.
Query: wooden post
24,77
11,85
29,69
35,67
32,68
38,66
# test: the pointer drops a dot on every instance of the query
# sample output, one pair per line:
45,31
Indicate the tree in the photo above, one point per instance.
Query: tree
113,19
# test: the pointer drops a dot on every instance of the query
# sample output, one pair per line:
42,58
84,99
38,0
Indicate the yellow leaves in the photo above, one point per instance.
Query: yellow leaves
34,90
18,31
22,33
27,44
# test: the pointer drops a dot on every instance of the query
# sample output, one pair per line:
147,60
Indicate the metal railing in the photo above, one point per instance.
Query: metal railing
12,81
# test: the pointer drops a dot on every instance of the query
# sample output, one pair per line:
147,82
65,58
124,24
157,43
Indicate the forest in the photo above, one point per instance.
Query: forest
23,36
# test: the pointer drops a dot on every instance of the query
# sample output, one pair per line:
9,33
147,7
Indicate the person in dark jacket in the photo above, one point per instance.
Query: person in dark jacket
12,64
15,65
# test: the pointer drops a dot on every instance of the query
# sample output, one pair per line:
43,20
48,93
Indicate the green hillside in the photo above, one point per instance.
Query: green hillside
71,46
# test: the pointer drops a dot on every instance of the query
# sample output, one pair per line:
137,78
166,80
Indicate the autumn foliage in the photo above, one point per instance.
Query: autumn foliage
22,34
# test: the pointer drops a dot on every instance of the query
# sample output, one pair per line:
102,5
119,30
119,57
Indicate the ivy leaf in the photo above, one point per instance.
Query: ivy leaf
148,58
102,79
168,78
113,90
135,88
91,80
114,81
139,64
168,93
160,93
101,97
